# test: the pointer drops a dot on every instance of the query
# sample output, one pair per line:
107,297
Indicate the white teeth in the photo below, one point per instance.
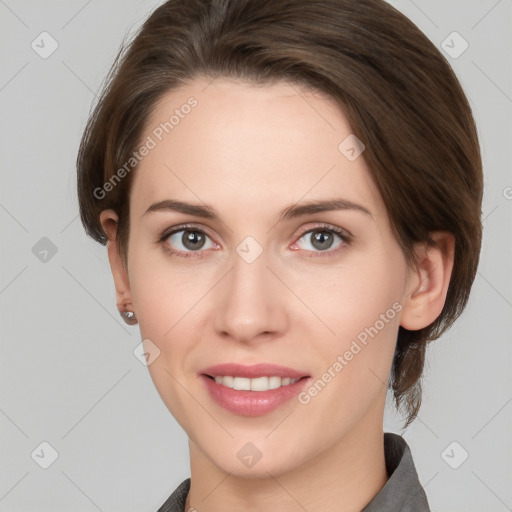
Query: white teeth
256,384
259,384
274,382
242,384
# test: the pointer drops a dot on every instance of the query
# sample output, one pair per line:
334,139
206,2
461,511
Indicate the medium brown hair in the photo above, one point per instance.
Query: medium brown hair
399,93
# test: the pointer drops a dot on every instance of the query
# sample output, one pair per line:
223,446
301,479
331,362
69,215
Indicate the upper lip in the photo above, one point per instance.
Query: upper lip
253,371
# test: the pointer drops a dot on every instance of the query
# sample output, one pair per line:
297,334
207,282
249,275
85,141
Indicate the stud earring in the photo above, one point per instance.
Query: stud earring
129,317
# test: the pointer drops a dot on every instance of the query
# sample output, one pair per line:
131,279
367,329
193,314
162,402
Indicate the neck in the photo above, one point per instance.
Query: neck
344,477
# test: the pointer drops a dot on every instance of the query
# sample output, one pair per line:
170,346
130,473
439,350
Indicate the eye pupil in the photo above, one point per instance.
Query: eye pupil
193,240
320,238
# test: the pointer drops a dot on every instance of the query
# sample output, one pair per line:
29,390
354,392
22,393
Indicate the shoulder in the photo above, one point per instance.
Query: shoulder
176,501
403,491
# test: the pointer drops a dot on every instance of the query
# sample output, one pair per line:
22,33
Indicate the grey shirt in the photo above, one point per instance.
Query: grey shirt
401,493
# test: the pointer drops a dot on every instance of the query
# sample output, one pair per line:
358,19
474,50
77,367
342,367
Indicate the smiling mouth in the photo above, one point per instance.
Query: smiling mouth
264,383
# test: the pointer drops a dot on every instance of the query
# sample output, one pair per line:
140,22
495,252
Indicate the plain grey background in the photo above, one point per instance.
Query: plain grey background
69,376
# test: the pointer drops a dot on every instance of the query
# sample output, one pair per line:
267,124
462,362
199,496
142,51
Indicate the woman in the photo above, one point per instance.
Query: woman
290,194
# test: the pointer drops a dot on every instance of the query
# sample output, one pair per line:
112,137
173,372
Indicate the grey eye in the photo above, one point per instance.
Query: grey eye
320,239
190,240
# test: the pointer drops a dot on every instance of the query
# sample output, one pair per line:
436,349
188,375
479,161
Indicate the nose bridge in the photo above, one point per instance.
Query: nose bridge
249,304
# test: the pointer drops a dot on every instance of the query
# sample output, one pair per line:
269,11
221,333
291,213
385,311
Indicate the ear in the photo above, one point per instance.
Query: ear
109,222
428,285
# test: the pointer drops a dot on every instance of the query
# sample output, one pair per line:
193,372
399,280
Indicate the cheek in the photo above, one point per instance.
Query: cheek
163,299
159,291
169,298
352,296
359,306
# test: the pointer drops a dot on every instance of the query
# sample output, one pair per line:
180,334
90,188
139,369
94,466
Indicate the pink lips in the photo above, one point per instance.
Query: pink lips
252,403
253,371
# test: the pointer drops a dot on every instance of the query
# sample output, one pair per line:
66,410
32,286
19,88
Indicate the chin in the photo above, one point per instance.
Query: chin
249,461
260,470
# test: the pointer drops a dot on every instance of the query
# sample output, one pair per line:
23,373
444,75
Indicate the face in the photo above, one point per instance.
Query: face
318,292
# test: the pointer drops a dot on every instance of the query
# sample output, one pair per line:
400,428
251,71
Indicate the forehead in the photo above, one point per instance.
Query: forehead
260,145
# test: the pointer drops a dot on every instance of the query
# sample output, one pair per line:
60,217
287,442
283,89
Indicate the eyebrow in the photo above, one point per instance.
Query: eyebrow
295,210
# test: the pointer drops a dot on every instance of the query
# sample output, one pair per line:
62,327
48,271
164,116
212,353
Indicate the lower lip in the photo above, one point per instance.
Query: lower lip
252,403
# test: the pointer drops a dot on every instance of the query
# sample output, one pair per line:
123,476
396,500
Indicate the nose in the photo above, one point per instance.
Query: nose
250,302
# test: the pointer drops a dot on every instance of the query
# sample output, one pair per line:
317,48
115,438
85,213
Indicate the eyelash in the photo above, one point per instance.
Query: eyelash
345,237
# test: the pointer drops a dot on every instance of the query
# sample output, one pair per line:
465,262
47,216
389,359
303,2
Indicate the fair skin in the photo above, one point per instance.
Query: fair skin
249,152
